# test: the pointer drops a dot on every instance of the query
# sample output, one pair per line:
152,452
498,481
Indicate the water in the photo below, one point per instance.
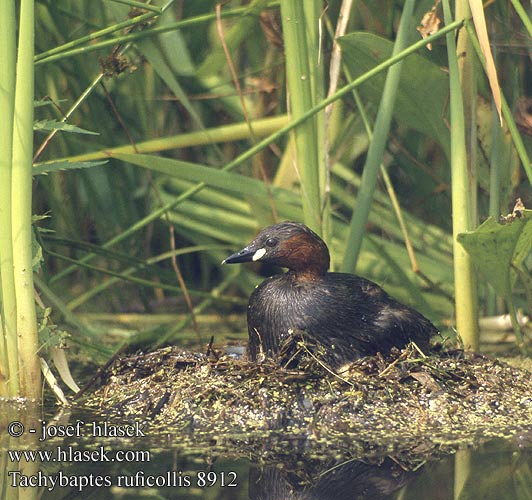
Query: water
70,459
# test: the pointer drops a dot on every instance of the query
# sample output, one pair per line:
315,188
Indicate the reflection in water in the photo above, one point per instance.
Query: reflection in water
498,470
349,481
16,422
462,470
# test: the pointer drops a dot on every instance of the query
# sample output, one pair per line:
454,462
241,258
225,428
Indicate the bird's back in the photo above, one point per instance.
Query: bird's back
347,315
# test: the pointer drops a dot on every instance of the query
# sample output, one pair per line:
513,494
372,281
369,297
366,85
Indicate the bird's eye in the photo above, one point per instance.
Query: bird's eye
271,242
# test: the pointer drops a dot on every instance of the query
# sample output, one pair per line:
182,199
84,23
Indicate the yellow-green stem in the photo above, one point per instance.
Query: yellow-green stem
313,11
300,91
29,365
468,81
225,133
8,323
464,278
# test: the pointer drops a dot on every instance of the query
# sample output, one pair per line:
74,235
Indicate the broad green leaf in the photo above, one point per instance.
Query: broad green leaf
495,248
46,168
524,243
49,125
423,90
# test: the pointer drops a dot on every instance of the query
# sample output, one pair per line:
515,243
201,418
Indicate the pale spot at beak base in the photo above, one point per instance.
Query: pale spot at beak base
258,254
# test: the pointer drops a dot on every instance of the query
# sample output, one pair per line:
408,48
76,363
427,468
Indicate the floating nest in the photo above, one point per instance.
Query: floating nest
379,405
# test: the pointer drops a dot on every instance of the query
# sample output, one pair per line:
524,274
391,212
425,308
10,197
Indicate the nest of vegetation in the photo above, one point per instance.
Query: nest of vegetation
404,402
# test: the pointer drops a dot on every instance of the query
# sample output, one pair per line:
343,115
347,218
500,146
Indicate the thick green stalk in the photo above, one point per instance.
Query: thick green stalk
30,371
8,323
313,11
364,199
300,86
464,280
467,70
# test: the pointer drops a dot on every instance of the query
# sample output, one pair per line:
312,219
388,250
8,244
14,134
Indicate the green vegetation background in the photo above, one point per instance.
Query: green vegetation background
196,96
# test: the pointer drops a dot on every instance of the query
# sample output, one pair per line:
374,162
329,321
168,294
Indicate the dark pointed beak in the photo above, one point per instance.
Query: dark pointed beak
245,255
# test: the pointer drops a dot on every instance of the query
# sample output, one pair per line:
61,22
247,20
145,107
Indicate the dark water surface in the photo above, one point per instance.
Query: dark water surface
75,454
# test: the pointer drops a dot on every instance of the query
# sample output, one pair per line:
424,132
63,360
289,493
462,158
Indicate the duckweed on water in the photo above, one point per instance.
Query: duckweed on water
378,406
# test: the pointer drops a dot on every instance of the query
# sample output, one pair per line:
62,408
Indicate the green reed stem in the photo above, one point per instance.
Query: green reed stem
8,318
226,133
464,278
28,344
296,22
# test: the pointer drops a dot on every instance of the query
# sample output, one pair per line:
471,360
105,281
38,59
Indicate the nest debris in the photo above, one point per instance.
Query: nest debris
379,405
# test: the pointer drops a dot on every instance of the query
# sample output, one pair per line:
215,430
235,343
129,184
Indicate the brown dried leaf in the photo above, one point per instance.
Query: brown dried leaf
477,11
429,24
426,380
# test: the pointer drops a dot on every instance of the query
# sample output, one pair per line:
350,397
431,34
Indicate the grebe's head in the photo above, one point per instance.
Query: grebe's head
288,244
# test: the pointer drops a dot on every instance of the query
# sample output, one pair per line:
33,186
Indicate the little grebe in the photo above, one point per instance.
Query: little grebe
348,316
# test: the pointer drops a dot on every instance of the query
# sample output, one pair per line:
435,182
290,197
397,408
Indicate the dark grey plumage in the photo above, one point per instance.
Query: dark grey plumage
347,316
